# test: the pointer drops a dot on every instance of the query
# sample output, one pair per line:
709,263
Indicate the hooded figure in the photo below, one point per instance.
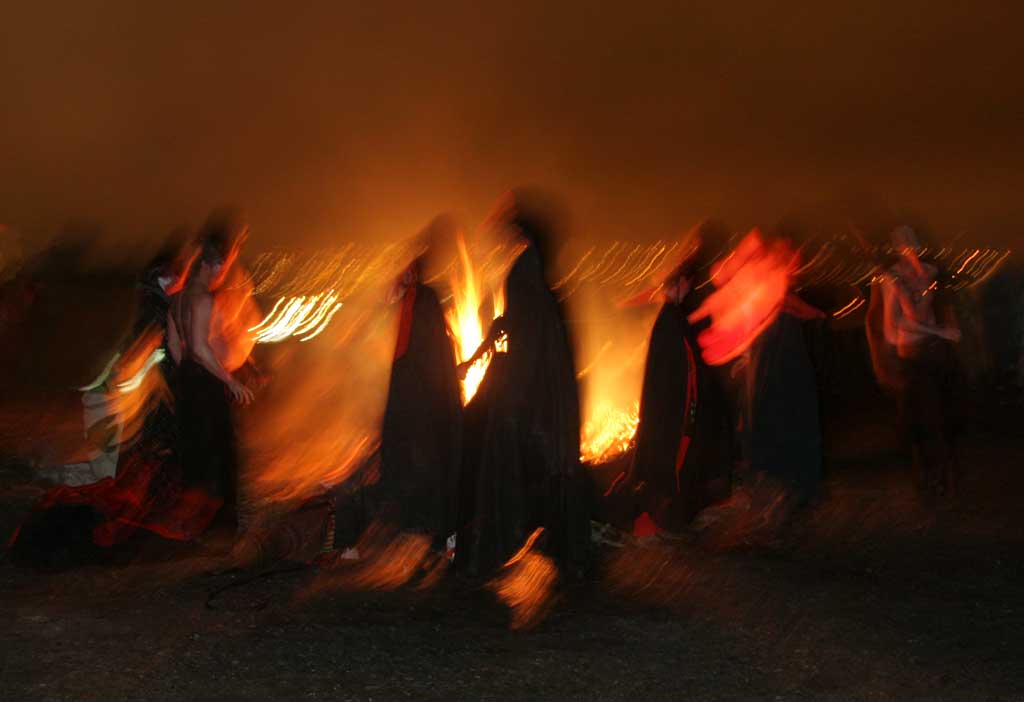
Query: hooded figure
682,457
422,431
522,440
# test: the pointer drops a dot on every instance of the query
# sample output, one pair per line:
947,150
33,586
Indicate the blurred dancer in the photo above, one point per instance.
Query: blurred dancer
206,435
522,436
97,522
757,325
682,456
422,431
923,347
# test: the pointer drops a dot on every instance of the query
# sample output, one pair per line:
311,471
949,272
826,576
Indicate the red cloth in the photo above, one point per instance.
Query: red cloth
405,323
691,399
644,526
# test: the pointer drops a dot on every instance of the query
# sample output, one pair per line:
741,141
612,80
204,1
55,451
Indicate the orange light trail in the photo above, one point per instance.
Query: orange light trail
302,317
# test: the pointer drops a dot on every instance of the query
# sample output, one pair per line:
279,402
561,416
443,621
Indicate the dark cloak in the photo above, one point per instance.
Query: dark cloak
421,436
783,427
681,458
522,468
206,442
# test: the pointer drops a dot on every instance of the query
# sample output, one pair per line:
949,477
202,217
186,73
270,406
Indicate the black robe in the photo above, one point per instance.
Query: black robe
784,428
681,459
522,436
422,431
206,442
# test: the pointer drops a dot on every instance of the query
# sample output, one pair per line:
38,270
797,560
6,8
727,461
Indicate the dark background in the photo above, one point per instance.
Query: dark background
338,121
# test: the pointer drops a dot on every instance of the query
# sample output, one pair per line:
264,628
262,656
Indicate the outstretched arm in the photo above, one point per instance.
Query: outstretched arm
493,334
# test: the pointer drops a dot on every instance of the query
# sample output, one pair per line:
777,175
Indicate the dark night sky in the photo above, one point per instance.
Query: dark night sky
361,120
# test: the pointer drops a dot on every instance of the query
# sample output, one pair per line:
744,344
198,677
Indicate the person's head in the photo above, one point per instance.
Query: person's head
219,244
210,262
905,240
434,247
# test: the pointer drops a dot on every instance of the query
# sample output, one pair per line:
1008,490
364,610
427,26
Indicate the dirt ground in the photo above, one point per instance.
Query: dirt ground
873,595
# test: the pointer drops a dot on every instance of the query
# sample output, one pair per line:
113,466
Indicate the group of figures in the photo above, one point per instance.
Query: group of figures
729,396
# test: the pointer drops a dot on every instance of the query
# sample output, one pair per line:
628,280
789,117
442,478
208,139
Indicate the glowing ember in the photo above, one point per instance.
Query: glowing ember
464,322
302,317
608,432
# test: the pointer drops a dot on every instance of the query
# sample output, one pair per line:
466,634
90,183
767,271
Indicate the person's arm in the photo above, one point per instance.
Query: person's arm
493,334
900,314
907,319
173,339
203,352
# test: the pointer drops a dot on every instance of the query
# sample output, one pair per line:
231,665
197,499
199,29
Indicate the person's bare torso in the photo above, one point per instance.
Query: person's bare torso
914,294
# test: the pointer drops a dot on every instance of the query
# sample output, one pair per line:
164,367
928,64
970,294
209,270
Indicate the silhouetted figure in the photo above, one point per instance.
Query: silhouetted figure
926,375
522,430
206,435
682,455
421,436
783,424
757,325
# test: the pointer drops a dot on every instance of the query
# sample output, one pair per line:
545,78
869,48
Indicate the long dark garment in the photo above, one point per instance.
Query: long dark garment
929,416
783,428
682,453
421,436
206,437
522,438
206,431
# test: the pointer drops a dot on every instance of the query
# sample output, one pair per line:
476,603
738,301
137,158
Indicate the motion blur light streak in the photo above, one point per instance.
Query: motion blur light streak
300,317
752,284
134,382
851,307
526,583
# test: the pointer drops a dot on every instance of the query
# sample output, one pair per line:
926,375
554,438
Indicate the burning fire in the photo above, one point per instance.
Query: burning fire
608,432
302,317
464,321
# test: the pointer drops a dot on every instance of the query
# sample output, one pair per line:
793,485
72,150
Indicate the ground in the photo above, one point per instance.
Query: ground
873,595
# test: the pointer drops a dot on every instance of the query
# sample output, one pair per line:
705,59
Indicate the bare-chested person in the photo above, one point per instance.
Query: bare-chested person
922,344
206,436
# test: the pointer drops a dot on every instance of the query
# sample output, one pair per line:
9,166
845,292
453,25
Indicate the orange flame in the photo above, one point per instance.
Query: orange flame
464,321
608,432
